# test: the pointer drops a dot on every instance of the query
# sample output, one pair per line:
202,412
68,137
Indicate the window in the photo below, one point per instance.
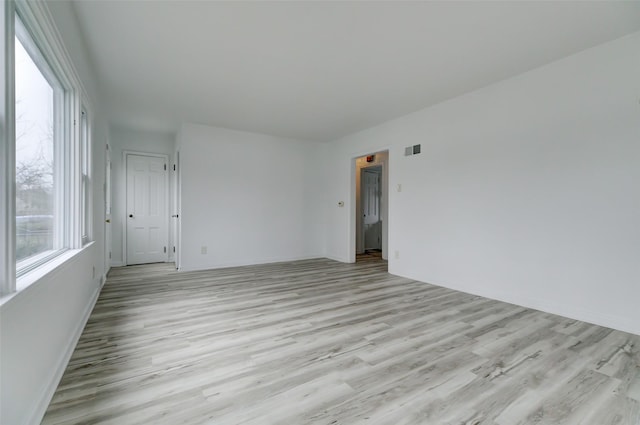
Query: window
38,192
85,192
46,123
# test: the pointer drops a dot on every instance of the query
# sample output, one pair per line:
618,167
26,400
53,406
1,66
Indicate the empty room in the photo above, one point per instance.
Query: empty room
320,212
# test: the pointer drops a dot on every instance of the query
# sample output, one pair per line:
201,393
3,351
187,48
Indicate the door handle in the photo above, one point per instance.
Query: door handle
130,215
175,216
107,220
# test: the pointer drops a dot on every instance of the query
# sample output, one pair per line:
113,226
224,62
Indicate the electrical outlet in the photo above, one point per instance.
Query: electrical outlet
203,250
397,255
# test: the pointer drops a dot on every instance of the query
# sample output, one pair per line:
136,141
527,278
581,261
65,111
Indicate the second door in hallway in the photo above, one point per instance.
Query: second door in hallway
147,214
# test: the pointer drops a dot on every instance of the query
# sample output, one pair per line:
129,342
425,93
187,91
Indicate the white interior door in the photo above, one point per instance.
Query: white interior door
371,217
147,213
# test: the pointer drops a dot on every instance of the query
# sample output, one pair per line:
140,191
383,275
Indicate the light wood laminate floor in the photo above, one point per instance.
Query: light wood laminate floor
321,342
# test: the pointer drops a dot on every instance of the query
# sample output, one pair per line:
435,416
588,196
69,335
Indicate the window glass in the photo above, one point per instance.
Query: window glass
35,158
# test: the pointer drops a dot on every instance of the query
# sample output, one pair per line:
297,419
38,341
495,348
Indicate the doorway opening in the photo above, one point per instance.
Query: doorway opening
371,207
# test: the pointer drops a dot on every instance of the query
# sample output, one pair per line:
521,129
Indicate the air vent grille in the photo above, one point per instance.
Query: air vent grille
412,150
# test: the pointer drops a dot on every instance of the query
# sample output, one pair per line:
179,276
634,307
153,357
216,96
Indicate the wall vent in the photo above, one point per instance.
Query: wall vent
412,150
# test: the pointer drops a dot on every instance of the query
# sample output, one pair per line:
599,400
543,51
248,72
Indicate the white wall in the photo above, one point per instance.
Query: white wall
123,139
248,198
40,325
526,191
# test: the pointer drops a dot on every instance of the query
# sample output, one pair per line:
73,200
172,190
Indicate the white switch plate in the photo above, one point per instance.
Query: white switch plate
203,250
399,187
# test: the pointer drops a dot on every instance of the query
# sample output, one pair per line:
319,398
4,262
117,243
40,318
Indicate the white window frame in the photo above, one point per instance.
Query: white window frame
60,242
37,20
86,195
7,148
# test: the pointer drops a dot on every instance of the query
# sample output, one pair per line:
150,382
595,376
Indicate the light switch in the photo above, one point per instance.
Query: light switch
399,188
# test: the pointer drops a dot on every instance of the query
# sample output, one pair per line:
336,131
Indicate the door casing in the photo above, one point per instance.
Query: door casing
351,223
107,211
125,155
377,169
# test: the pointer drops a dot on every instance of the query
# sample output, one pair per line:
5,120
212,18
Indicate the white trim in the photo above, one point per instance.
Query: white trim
269,260
545,305
380,167
177,233
106,211
86,179
72,174
351,223
7,152
44,44
40,25
59,142
336,258
37,18
85,105
34,277
125,154
29,264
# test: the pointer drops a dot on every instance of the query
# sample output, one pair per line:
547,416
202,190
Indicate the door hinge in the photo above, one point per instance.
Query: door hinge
165,249
165,167
174,167
174,249
109,254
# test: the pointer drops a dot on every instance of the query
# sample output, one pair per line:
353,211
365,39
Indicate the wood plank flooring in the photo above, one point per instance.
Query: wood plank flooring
327,343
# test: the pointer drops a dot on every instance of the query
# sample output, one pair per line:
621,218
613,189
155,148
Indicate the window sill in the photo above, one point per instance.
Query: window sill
32,278
26,266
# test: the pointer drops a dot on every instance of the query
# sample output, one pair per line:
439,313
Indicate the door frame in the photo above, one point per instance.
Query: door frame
177,257
107,210
125,156
380,167
351,223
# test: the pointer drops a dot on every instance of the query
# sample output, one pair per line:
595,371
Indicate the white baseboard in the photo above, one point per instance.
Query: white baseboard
547,306
335,258
117,264
47,392
197,267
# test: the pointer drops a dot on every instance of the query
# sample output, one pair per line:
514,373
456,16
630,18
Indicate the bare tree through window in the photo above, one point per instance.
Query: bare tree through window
34,158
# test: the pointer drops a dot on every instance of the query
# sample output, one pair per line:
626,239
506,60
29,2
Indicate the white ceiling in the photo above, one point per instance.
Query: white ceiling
321,70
